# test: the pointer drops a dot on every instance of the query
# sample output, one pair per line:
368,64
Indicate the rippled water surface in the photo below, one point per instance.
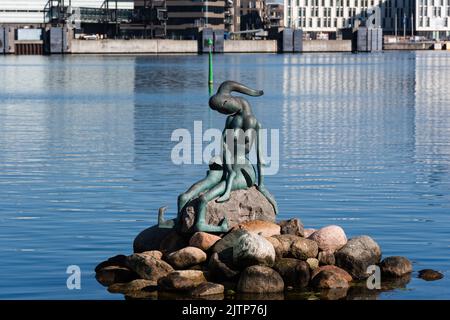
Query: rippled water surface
85,144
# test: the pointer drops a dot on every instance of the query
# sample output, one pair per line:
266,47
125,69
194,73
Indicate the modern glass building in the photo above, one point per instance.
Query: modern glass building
402,17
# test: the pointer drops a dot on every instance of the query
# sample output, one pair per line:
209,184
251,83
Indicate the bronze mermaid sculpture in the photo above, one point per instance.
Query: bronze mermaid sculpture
232,171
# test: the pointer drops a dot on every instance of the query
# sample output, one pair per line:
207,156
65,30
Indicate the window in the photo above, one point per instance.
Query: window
310,22
318,23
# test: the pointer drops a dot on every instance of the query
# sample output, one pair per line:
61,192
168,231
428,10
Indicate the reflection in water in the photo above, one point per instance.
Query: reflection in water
433,119
85,154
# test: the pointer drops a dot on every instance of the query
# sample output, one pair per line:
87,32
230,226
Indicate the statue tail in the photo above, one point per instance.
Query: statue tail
229,86
162,223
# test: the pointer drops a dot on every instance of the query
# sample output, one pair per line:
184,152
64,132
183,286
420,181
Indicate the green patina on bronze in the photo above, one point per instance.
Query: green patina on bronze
232,171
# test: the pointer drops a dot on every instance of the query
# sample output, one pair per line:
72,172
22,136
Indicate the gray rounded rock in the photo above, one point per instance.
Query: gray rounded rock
292,226
357,255
326,258
243,205
207,289
147,267
304,248
186,257
260,279
395,266
132,286
219,270
286,241
294,272
252,249
182,280
150,239
114,274
430,275
329,280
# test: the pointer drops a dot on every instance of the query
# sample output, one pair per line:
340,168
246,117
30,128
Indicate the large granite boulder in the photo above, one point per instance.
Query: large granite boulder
357,255
329,238
260,279
186,257
182,280
150,239
148,267
252,249
294,272
395,266
243,205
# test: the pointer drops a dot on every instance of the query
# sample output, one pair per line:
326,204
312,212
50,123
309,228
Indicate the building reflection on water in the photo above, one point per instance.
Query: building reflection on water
366,129
432,122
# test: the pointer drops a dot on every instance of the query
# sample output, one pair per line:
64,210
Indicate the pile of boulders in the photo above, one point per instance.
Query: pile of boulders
256,256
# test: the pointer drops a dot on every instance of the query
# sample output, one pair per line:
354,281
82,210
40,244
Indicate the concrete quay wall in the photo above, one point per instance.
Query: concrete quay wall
166,46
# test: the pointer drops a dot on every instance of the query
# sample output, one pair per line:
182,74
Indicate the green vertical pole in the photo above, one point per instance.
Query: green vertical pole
210,67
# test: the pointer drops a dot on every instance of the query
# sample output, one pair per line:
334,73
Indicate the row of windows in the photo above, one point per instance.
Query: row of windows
435,11
365,3
323,22
342,22
326,12
425,22
332,3
433,2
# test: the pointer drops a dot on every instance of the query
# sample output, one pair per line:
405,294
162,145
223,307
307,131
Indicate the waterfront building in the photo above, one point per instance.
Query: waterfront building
186,18
275,14
37,12
428,18
149,20
248,15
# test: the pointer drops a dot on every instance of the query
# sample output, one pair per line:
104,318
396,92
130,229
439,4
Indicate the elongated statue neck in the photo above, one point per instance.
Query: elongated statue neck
246,109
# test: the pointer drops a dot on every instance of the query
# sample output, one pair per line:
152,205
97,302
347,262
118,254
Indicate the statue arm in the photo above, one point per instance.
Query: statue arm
259,155
228,167
260,163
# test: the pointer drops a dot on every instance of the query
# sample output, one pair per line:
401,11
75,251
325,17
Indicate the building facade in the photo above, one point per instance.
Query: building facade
275,14
34,12
432,18
186,18
149,20
400,17
248,15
